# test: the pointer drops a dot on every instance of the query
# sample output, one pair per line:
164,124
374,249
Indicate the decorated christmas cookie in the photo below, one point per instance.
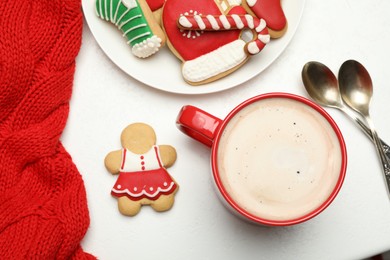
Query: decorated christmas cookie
271,11
141,165
137,23
206,35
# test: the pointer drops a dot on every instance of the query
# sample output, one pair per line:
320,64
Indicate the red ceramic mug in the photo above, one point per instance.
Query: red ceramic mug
277,159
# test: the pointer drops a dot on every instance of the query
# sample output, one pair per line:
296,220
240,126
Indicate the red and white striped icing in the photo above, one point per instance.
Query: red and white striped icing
229,22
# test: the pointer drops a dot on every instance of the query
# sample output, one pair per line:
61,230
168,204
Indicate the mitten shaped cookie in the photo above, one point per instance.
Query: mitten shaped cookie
206,36
141,165
137,23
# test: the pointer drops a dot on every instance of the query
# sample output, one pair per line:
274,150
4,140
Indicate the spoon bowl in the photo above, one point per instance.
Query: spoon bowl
356,87
321,84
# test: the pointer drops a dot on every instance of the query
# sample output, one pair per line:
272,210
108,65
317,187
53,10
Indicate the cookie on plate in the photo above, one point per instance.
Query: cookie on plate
137,23
206,35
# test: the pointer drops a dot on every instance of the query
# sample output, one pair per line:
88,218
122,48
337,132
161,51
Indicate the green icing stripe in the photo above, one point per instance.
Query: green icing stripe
131,21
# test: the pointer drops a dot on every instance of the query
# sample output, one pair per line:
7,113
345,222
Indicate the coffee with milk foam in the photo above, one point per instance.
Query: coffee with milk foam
279,159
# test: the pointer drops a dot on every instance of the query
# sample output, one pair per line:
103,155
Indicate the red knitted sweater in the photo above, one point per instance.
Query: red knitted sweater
43,207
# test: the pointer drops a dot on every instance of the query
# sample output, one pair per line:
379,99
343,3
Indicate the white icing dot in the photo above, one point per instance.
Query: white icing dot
135,188
151,188
165,183
119,186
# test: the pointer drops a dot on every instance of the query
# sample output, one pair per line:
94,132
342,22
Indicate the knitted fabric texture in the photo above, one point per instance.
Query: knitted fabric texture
43,206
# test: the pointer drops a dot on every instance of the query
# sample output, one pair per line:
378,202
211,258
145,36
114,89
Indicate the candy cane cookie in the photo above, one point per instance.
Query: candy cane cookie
271,11
229,22
136,21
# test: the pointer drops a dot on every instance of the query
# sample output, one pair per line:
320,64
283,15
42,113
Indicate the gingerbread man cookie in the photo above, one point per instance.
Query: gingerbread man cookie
137,23
141,165
206,35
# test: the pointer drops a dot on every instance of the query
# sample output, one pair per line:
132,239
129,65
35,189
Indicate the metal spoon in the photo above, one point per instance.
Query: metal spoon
322,86
356,90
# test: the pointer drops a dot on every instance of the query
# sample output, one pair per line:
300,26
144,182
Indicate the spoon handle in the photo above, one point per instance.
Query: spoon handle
384,160
367,131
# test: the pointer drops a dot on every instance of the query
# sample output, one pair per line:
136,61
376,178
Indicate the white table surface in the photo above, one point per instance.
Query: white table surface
105,100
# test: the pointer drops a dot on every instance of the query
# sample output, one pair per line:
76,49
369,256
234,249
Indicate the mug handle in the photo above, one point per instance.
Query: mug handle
198,124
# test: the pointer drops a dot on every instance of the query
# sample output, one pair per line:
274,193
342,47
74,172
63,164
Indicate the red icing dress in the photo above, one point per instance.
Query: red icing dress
143,176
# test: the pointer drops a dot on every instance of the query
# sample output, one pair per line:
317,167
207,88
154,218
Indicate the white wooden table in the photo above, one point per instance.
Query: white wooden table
106,99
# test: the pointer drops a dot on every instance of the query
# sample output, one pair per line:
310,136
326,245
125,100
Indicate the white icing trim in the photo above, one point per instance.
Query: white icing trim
213,22
106,9
234,2
214,63
249,19
130,4
200,22
251,3
144,192
129,20
100,9
261,26
224,6
264,38
111,20
225,22
120,18
147,47
253,48
116,11
137,37
134,28
237,21
183,21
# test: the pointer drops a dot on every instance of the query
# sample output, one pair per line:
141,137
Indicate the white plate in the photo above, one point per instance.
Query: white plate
163,70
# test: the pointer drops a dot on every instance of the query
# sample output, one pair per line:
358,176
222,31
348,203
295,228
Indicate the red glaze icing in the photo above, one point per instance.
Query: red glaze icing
144,184
150,184
271,11
204,42
155,4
